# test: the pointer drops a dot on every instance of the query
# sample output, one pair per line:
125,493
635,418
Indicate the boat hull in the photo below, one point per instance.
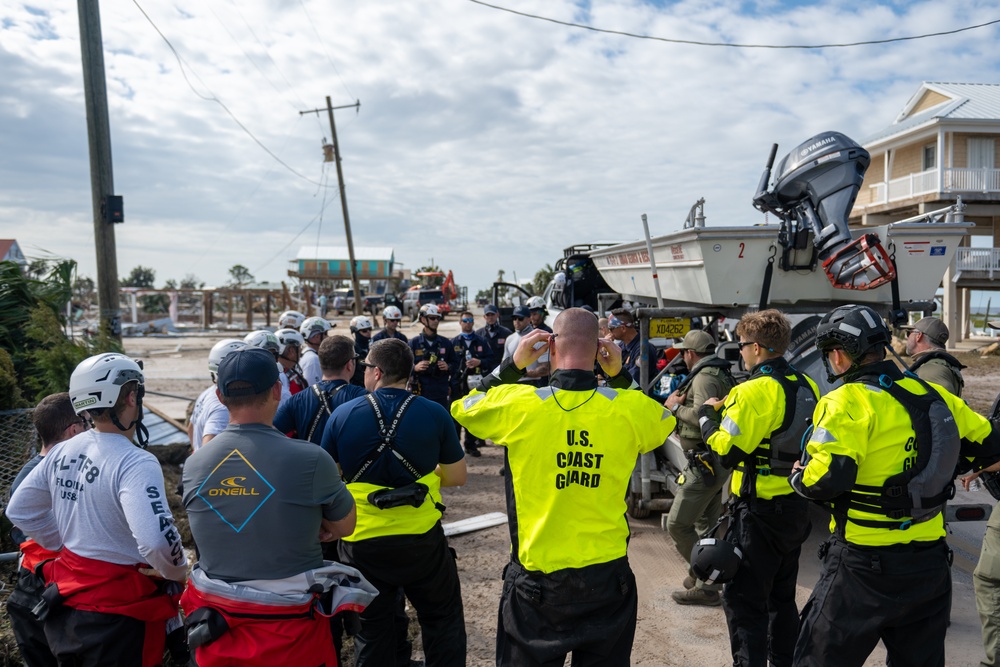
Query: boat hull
725,267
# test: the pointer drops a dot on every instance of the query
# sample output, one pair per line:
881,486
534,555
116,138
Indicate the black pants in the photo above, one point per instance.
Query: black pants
28,630
760,601
92,639
899,594
424,567
589,612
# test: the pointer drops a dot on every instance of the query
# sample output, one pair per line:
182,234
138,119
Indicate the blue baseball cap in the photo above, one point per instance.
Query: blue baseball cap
253,366
522,311
491,309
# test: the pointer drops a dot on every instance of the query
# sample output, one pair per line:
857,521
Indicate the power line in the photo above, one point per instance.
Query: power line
732,44
213,98
294,238
322,44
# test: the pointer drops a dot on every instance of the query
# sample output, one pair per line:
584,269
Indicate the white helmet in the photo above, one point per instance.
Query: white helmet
360,323
288,337
392,313
265,340
291,319
97,381
429,309
536,303
220,351
314,325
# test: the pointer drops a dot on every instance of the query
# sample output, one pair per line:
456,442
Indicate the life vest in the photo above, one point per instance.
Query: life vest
94,585
784,446
916,494
719,366
951,363
401,519
265,623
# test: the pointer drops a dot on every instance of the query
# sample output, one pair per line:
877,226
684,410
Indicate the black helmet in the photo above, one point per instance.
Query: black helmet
857,329
715,561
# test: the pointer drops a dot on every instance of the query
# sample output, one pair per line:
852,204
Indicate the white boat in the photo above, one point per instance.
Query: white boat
725,267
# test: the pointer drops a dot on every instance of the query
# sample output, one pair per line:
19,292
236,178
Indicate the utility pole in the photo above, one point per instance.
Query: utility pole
355,285
102,185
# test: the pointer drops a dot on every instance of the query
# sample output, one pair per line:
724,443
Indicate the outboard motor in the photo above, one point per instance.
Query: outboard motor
814,190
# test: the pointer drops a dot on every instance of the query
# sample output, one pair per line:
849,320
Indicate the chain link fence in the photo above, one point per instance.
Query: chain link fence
18,443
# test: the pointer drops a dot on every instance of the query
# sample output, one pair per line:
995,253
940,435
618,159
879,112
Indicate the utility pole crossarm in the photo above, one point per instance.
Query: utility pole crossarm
355,285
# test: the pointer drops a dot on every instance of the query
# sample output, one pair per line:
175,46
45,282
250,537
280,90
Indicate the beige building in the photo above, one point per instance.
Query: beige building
944,145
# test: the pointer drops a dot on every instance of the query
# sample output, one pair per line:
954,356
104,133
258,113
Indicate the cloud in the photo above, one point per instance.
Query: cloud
485,140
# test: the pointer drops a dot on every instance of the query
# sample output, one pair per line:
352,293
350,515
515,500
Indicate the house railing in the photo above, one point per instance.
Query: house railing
926,182
983,260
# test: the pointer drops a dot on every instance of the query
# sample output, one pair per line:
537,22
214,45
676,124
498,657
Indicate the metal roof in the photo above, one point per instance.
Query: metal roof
162,432
967,101
339,252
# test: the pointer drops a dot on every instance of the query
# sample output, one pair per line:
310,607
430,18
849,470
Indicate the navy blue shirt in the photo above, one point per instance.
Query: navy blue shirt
433,383
383,334
495,337
296,415
478,349
425,437
630,358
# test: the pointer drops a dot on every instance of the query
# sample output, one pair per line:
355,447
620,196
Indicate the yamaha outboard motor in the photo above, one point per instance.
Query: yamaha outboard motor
815,188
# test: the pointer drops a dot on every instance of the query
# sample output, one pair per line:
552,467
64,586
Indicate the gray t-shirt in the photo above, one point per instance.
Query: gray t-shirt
255,499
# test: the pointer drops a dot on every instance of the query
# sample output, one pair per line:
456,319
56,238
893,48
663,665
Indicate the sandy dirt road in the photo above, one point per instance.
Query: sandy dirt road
667,635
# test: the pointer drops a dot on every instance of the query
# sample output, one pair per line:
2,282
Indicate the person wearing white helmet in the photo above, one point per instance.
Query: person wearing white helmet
291,319
266,340
361,328
434,360
313,330
100,500
209,417
536,309
290,343
392,316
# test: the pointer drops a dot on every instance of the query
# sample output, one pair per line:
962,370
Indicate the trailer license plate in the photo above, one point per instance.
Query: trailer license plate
668,327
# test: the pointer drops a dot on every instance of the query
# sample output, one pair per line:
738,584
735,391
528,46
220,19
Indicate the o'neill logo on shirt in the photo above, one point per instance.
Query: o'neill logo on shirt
233,486
235,490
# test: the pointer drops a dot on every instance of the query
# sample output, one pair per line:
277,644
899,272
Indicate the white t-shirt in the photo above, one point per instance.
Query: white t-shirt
512,342
101,497
309,363
209,417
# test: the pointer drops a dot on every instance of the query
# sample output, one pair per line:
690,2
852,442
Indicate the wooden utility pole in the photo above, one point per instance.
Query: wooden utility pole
101,178
355,285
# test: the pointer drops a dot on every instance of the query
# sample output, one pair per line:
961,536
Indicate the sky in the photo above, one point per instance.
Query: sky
485,141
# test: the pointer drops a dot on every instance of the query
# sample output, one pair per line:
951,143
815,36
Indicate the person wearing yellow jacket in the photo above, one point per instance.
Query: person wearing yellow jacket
763,423
883,455
396,451
570,448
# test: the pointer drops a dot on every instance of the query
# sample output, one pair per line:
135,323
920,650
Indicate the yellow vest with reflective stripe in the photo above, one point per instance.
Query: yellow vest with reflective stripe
404,520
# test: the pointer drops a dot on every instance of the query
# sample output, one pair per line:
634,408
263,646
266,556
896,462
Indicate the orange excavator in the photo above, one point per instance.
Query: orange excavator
449,291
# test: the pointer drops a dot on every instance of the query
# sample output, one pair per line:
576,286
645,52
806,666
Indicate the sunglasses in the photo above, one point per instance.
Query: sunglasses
433,318
467,320
516,318
365,364
388,320
745,343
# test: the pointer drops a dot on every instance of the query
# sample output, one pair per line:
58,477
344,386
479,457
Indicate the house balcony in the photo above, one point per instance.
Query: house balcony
985,182
977,264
